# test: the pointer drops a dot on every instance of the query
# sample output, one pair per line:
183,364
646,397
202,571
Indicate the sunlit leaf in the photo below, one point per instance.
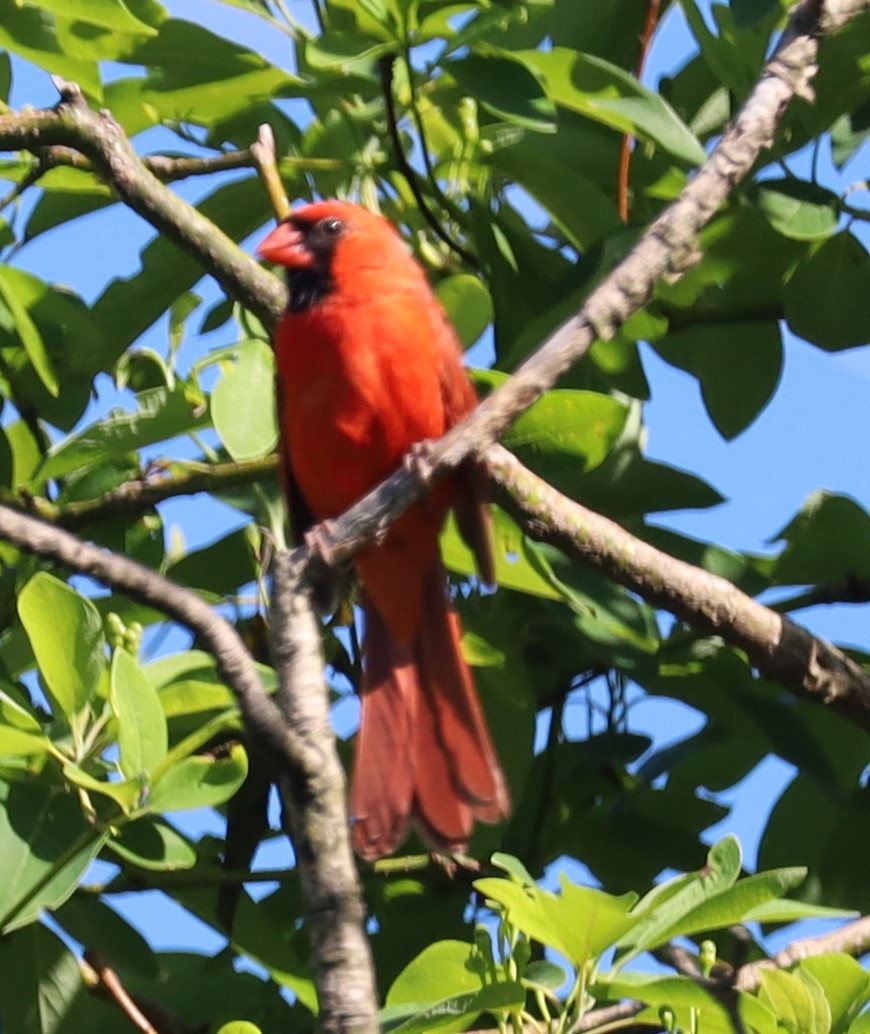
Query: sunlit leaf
199,782
243,403
66,633
142,740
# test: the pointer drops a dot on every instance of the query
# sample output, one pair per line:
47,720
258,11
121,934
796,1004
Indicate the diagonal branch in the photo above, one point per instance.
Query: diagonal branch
781,649
102,141
852,939
298,740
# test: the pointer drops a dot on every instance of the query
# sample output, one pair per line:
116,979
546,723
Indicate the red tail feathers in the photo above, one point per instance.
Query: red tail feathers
423,752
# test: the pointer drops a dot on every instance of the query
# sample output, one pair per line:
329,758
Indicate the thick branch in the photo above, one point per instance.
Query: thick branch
779,648
298,738
317,811
853,939
97,136
141,583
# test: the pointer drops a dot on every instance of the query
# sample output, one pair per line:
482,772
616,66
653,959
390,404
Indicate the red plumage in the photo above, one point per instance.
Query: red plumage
368,365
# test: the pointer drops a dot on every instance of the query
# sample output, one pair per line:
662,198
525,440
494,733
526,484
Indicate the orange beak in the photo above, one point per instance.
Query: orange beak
286,246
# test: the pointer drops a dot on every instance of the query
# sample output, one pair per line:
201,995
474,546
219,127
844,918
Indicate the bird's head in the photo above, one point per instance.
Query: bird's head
332,244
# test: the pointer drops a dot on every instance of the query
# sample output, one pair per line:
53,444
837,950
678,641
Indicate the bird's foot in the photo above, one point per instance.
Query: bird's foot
419,462
320,540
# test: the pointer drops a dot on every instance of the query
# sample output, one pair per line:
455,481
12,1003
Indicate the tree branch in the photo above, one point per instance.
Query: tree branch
627,146
317,809
779,648
853,939
97,136
297,737
147,586
137,497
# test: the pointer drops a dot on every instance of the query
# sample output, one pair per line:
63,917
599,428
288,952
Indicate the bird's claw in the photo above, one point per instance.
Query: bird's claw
419,461
320,541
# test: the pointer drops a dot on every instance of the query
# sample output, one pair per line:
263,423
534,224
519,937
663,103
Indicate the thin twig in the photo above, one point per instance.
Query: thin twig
140,496
266,159
625,151
386,66
106,979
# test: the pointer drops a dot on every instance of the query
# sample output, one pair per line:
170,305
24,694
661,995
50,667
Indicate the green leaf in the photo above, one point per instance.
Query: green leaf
126,793
458,1012
40,979
738,366
160,415
782,910
824,300
828,541
689,1001
109,14
750,12
73,341
581,923
239,1027
243,402
541,973
196,76
345,52
78,193
151,843
5,77
29,336
220,567
199,782
737,902
179,311
798,209
32,34
20,732
506,87
518,564
612,31
563,427
846,984
468,304
840,818
442,967
89,920
608,94
128,307
544,165
142,737
46,845
66,633
514,867
666,907
792,1002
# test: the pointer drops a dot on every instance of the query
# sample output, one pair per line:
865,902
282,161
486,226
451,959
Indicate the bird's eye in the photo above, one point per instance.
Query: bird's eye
332,227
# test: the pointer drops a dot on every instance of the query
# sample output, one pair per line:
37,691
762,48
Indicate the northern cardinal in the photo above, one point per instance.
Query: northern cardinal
368,365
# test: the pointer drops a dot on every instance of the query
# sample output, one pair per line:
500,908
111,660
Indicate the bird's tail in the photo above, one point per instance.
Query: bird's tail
424,754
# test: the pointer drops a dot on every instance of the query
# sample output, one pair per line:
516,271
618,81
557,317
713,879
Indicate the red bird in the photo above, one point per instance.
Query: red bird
368,365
